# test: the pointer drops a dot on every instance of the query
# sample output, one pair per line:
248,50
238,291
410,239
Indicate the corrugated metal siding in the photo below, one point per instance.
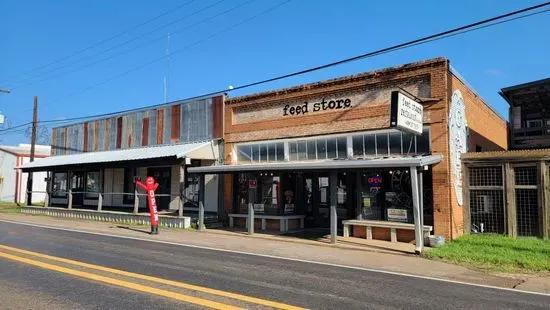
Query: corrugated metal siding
195,121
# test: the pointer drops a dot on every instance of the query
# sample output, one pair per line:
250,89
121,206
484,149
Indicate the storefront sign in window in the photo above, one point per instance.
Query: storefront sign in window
259,208
375,181
252,183
406,114
323,105
289,208
397,215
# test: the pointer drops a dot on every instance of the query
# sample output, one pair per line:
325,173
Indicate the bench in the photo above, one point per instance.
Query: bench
283,220
393,226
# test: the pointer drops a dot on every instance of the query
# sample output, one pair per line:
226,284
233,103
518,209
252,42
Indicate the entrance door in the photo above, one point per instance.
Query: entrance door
321,208
163,176
77,187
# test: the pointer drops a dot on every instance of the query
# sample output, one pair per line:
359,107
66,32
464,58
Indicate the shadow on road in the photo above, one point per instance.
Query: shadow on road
134,229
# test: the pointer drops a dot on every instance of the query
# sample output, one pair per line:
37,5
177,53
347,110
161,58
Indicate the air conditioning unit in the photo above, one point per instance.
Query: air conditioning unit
483,204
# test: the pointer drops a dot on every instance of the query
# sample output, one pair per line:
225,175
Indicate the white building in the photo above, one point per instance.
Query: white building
13,182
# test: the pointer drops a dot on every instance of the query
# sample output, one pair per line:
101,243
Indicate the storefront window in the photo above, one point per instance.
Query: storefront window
311,150
263,152
382,144
371,187
423,142
370,144
358,145
265,194
129,185
59,184
395,142
92,184
321,149
192,191
342,147
409,143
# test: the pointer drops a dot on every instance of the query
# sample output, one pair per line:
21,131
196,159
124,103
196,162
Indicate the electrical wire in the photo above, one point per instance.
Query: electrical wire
114,48
148,43
108,39
445,34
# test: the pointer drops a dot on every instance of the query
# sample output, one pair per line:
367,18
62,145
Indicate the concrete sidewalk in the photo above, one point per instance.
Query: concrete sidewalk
372,254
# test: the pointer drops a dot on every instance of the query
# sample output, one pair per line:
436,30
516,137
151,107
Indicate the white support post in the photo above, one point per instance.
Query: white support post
70,205
136,201
182,189
100,201
333,201
418,230
250,219
201,216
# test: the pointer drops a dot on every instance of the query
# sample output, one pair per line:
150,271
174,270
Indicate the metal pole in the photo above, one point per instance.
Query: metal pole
201,216
333,201
418,234
33,142
421,199
99,201
70,206
136,201
250,219
182,189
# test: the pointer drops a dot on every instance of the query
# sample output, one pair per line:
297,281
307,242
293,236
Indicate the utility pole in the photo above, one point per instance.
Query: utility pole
33,143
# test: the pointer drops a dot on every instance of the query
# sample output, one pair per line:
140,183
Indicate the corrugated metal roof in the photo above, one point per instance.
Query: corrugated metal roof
25,149
175,150
395,162
513,154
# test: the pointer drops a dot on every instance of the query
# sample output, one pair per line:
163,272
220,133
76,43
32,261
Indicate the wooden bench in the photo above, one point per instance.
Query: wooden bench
393,226
283,220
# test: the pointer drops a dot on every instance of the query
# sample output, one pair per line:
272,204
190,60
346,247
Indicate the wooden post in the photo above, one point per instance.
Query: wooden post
545,189
70,205
99,201
466,199
418,229
182,189
136,201
100,194
510,200
333,182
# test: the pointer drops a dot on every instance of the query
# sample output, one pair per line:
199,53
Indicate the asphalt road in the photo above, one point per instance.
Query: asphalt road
301,284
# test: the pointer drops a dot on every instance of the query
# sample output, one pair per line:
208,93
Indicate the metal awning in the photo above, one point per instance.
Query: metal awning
200,150
392,162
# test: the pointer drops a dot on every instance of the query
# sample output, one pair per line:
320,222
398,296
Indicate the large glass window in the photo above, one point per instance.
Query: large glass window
409,143
262,152
358,145
342,147
244,153
92,184
331,148
395,142
129,185
59,185
266,194
311,150
423,142
191,199
382,144
321,149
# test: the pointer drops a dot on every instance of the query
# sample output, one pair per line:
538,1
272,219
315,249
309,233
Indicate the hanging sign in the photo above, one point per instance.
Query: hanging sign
406,113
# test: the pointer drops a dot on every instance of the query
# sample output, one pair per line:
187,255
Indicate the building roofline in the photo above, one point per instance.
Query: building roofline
161,105
336,81
463,80
504,91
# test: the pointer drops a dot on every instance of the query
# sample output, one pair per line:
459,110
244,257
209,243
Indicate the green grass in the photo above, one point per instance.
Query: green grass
496,253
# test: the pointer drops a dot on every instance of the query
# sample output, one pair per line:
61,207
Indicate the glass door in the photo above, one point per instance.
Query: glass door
162,176
77,187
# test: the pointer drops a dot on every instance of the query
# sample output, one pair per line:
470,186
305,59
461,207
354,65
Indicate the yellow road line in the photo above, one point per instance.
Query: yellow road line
207,290
130,285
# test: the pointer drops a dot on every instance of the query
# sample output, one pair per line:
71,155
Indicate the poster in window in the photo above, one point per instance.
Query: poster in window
397,215
259,208
289,208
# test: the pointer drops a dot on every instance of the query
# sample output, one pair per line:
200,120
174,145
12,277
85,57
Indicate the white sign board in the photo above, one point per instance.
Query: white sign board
406,114
397,215
458,137
259,207
1,119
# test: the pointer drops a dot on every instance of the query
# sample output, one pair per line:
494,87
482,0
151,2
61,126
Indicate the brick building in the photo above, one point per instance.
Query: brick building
293,152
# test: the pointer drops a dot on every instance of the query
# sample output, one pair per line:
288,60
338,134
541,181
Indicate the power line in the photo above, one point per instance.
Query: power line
109,38
148,43
178,50
80,60
445,34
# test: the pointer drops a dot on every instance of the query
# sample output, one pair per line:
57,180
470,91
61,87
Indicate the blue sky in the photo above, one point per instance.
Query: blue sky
234,49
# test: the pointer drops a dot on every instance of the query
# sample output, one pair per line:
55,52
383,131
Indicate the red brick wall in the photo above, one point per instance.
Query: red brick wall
486,129
447,218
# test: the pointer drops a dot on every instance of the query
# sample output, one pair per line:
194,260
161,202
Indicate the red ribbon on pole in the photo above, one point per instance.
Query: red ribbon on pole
149,187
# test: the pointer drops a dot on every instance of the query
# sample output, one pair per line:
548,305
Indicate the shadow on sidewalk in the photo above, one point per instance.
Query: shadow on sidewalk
134,229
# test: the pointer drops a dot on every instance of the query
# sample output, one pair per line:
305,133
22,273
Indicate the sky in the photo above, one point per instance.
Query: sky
90,57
